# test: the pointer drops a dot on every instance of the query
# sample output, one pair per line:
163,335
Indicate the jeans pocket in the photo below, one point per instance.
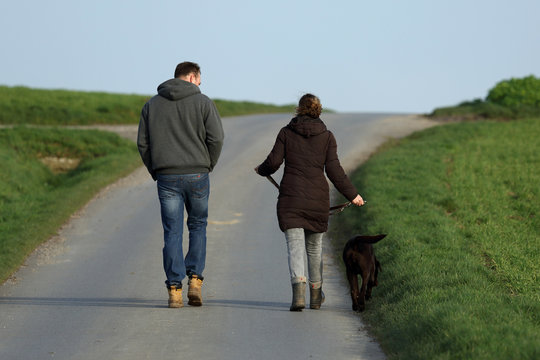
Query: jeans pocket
199,186
167,186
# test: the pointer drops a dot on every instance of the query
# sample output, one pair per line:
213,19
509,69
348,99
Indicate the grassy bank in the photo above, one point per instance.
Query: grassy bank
39,192
21,105
460,277
236,108
481,109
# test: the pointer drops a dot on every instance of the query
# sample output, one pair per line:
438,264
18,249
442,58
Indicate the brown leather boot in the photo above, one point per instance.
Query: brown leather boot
175,297
316,298
299,296
194,291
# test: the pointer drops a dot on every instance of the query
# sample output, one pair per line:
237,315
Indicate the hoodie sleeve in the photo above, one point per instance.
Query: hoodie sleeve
214,133
143,141
335,172
275,158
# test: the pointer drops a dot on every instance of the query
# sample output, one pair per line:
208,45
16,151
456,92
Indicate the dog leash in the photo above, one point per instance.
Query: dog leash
339,208
333,210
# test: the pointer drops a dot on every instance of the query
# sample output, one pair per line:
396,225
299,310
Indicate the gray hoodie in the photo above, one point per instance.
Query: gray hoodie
180,131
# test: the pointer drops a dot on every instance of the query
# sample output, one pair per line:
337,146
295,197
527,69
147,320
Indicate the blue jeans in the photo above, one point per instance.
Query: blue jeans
175,192
301,242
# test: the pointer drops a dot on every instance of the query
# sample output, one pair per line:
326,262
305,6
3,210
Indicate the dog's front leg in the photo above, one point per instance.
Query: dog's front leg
353,283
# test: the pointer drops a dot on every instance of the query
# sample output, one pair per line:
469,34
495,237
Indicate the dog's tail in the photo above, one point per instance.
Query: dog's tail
367,239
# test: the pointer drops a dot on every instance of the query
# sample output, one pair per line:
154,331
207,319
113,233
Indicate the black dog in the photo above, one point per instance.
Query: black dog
360,259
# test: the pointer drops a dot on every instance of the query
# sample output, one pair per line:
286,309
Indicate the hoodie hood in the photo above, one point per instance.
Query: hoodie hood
176,89
307,126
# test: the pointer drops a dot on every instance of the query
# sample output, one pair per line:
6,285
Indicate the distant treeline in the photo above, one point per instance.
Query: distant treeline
22,105
509,99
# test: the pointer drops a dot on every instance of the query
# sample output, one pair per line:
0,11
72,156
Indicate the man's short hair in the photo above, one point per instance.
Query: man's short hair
185,68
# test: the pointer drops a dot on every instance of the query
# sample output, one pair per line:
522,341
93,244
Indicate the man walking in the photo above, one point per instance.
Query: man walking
179,140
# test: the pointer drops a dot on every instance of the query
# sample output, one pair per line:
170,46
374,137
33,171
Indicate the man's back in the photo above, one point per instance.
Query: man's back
180,129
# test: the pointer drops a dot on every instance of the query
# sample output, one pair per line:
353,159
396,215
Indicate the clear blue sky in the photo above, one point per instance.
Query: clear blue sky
381,56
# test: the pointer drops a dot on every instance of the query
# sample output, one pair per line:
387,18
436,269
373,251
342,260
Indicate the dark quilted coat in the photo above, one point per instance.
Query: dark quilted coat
309,149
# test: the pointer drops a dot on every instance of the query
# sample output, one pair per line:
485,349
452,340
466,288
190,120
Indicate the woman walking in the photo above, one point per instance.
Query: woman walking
309,150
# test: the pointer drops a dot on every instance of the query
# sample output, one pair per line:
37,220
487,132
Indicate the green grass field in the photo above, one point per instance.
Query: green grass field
460,204
22,105
35,200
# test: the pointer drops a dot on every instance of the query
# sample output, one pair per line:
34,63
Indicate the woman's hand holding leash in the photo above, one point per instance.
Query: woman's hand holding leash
358,201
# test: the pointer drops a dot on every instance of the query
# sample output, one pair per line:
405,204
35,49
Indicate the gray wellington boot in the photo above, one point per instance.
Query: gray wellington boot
299,296
316,298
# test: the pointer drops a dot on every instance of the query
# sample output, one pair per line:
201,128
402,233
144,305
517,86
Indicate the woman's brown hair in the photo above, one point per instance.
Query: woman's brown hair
309,105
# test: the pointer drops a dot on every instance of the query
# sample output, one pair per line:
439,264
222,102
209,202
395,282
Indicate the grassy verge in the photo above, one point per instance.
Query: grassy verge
472,110
35,200
235,108
482,109
460,278
22,105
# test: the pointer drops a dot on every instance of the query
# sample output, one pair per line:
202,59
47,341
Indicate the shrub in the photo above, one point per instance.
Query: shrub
516,93
509,99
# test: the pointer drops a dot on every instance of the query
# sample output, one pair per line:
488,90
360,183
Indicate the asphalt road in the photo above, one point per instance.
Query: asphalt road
96,290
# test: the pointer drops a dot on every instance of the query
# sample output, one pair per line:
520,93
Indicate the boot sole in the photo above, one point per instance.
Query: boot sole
175,305
297,308
194,300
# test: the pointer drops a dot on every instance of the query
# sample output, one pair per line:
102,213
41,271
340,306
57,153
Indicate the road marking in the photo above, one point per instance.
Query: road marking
226,222
229,222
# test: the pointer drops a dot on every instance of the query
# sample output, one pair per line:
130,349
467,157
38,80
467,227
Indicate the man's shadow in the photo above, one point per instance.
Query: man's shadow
137,303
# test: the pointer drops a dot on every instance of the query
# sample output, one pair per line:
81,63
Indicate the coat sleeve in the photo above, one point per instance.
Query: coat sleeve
214,133
275,158
143,141
335,172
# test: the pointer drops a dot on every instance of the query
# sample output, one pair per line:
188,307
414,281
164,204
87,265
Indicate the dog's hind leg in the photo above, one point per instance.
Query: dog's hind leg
363,289
373,280
369,289
353,283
